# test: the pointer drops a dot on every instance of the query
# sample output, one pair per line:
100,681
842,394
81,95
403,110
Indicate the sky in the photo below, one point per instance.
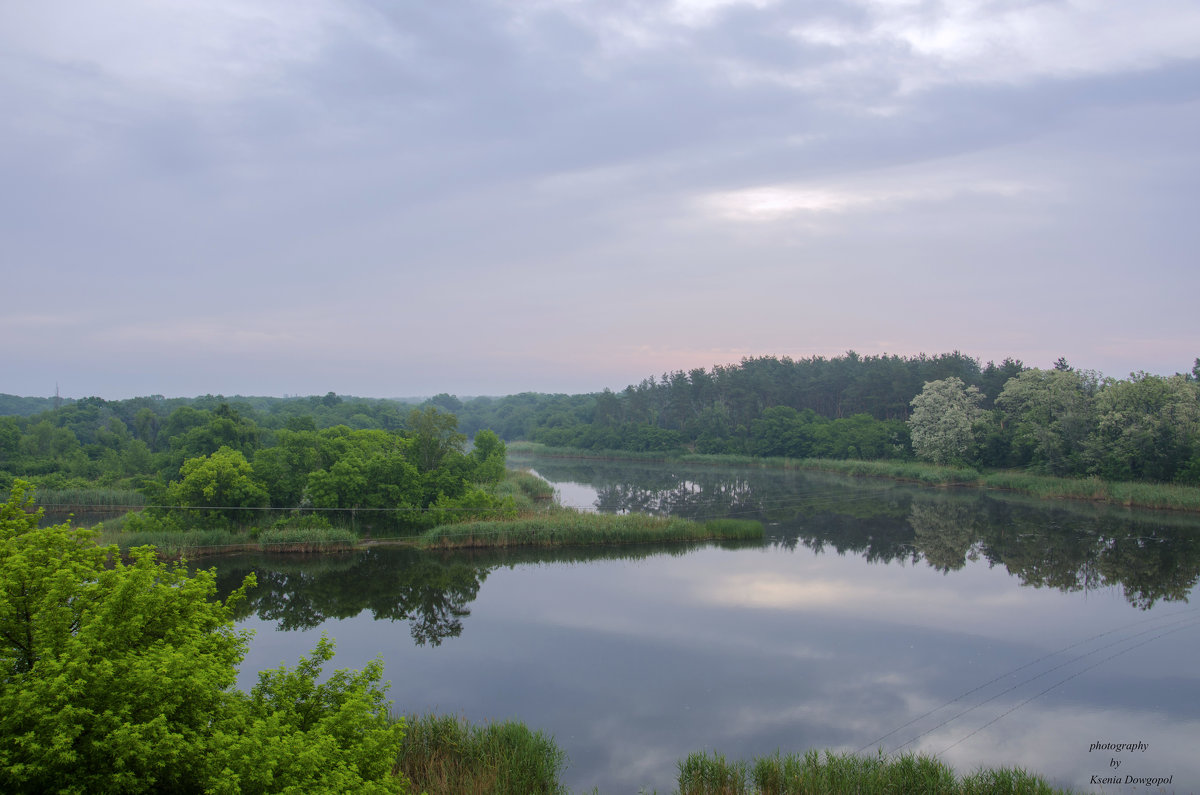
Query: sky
485,197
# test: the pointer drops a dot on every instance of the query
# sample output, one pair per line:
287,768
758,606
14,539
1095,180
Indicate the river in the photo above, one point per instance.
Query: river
987,629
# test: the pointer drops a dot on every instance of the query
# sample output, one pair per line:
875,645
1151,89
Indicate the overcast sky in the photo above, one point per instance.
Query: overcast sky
486,197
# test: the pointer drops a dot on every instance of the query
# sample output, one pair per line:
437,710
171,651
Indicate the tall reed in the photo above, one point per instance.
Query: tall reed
306,539
565,527
89,499
813,773
445,755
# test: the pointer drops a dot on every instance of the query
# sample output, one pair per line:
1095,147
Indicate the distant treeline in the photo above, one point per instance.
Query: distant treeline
947,408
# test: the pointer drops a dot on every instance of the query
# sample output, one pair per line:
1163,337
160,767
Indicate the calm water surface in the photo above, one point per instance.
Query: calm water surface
989,631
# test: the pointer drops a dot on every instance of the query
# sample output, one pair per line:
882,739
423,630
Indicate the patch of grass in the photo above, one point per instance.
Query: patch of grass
306,539
79,499
175,539
174,543
444,755
1155,495
814,773
564,527
529,484
704,774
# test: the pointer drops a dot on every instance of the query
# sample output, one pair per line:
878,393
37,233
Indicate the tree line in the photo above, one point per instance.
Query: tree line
1061,421
207,467
946,409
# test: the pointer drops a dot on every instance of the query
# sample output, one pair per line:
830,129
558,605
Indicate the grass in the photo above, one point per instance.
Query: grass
814,773
564,527
529,484
1131,494
306,539
175,544
444,755
89,499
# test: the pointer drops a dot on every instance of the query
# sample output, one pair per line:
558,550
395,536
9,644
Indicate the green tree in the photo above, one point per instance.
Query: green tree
489,454
435,435
223,482
783,431
943,419
1147,427
120,677
1050,412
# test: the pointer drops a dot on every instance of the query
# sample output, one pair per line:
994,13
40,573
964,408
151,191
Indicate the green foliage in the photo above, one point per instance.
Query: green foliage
489,454
943,420
221,483
294,735
443,755
1051,414
1061,421
110,673
814,773
474,505
702,773
305,536
119,677
434,436
531,485
1147,428
565,527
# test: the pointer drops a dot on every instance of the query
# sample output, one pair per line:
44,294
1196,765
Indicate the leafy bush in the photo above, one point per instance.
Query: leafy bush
120,677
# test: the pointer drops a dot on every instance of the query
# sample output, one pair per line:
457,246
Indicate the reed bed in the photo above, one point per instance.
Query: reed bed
89,499
814,773
1162,496
174,544
189,543
529,484
529,493
444,755
306,539
565,527
1048,486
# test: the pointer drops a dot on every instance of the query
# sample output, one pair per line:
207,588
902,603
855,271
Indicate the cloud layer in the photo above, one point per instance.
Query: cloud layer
490,197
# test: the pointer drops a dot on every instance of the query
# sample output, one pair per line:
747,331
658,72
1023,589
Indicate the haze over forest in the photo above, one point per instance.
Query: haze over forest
486,198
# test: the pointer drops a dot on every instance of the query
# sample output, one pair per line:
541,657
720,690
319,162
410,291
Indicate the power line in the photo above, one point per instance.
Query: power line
1189,619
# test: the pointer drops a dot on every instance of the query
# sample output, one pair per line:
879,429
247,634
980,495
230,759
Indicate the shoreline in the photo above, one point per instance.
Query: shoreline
1124,494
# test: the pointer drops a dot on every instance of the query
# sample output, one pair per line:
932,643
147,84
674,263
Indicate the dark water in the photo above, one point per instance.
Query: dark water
990,631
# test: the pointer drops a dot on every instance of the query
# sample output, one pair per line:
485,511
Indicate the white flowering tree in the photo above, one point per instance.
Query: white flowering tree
942,420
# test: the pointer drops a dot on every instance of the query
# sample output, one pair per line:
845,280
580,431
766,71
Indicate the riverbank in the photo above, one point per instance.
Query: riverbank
1130,494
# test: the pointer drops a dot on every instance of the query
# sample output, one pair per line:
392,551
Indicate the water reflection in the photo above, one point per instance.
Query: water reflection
1152,556
303,592
991,630
430,590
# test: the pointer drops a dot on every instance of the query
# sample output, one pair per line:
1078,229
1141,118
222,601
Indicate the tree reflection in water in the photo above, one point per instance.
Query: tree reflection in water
430,590
1152,556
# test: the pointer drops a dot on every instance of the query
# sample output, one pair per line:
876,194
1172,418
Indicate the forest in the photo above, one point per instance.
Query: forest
344,453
